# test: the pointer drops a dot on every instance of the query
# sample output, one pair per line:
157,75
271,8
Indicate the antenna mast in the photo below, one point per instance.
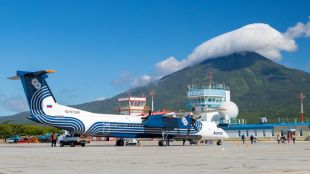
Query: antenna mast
301,97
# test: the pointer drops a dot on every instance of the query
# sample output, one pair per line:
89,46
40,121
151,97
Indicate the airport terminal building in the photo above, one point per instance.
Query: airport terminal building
267,131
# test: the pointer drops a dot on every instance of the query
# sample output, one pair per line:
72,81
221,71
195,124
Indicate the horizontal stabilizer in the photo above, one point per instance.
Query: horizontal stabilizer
14,78
21,73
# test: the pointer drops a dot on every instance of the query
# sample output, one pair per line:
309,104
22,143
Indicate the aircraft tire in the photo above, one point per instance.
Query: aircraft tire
120,143
219,142
161,143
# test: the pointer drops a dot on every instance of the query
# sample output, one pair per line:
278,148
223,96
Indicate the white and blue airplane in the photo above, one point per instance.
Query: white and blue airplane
44,109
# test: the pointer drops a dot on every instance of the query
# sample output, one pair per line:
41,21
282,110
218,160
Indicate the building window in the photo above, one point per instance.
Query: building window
300,132
239,133
272,133
264,133
255,133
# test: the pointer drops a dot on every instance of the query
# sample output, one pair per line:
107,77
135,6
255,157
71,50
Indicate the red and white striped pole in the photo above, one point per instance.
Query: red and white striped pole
301,97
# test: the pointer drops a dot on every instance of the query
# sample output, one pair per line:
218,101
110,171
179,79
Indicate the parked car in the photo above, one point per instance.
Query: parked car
72,141
10,140
13,139
131,141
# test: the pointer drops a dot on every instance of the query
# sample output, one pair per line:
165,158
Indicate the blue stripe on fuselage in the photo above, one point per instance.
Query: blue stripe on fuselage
137,130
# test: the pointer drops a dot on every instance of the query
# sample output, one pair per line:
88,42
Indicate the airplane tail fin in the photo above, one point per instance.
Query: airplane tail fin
36,88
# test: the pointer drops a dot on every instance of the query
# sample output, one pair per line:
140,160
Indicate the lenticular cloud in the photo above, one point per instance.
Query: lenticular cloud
258,37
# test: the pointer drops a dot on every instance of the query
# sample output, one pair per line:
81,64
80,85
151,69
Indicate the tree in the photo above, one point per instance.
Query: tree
6,131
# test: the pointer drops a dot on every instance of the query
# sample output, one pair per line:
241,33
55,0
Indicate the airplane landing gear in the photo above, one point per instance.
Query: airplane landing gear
163,143
120,142
219,142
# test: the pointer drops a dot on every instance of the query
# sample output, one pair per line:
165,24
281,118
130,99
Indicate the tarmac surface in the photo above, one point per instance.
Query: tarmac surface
104,157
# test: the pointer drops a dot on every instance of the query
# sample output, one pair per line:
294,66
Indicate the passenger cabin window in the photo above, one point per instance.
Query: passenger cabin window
239,133
247,133
300,132
255,133
272,133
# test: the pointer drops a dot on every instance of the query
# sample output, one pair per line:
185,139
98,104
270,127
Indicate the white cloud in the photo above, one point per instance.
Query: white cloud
168,66
299,30
142,80
260,38
128,80
101,99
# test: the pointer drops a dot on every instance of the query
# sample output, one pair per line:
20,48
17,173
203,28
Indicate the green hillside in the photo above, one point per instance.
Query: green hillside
20,118
258,86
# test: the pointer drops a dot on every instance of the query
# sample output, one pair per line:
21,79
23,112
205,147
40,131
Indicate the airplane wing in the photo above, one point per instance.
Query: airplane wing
176,115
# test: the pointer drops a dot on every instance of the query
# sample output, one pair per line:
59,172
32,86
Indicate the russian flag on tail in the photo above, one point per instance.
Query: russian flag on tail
49,106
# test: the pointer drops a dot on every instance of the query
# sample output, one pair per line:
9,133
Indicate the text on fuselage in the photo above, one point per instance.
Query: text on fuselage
72,112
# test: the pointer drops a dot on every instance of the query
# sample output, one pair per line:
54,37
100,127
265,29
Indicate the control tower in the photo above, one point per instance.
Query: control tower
134,106
211,102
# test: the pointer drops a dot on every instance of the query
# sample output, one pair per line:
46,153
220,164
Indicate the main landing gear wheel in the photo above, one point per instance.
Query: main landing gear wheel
120,143
219,142
163,143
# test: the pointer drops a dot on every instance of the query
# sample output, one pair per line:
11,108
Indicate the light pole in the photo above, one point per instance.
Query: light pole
152,94
302,97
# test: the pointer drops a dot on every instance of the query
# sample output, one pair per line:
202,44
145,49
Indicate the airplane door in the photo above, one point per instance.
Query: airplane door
106,128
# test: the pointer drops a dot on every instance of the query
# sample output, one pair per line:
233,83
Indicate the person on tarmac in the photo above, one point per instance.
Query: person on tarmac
54,139
252,139
243,138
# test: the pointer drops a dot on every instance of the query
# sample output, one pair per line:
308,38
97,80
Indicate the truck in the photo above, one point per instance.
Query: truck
72,141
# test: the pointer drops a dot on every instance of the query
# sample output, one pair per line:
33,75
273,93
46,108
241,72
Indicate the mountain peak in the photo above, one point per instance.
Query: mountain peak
236,61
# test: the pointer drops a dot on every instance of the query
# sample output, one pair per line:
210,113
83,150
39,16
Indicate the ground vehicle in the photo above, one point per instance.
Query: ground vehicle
10,140
131,141
72,141
13,139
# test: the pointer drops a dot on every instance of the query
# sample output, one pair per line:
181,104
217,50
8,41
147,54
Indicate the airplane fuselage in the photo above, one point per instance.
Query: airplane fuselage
109,125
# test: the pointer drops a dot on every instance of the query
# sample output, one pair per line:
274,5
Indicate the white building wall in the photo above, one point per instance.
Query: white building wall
248,133
227,95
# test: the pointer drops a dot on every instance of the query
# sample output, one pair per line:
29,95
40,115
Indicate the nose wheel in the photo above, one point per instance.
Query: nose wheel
165,140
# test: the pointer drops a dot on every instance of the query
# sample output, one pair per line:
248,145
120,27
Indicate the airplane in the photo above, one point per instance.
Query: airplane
44,109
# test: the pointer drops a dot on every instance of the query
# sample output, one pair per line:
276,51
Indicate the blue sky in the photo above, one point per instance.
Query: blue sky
91,44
